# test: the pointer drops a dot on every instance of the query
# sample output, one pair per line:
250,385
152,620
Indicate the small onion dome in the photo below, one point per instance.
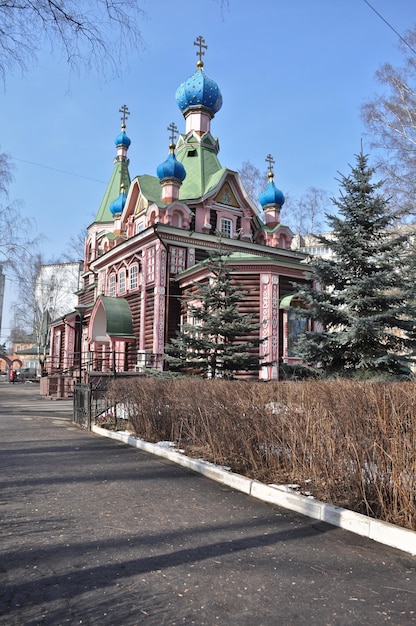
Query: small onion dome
199,90
171,168
122,139
271,195
117,205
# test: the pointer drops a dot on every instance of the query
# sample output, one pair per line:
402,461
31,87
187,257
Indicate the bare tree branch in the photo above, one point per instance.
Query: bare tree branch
90,33
391,122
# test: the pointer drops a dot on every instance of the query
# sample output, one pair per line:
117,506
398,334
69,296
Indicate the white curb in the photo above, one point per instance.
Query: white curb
382,532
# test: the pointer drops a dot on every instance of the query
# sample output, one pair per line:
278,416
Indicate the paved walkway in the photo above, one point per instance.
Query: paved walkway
94,532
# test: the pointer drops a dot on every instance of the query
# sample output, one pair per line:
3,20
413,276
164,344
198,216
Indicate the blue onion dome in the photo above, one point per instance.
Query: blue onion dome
271,195
171,168
117,205
122,139
199,90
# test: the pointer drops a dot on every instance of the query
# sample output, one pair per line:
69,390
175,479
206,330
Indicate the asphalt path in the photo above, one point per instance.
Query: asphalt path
95,532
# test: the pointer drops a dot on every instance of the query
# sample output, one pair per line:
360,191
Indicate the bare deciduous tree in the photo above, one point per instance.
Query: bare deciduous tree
391,121
46,291
306,216
91,33
74,250
16,231
253,180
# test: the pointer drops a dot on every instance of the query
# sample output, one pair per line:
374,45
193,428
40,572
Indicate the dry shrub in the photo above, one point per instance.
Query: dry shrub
349,443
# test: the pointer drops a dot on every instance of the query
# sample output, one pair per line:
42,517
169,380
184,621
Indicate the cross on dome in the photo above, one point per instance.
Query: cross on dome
200,41
199,93
270,160
173,132
125,113
122,141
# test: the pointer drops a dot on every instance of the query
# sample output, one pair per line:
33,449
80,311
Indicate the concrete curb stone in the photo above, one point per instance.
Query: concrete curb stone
382,532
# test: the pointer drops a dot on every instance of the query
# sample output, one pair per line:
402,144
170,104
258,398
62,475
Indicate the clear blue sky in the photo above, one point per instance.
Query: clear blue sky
293,75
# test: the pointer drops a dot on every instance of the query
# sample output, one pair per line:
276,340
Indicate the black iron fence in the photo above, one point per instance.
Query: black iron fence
90,401
91,404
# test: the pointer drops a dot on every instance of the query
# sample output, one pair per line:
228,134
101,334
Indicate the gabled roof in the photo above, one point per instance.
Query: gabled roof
120,176
150,188
199,158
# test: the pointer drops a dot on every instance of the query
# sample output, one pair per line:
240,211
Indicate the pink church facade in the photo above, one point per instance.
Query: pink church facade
148,243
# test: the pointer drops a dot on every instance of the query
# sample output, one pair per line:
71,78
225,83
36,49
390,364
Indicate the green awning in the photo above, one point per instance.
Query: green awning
118,318
290,301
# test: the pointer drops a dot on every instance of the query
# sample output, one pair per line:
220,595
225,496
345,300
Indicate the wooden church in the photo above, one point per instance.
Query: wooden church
148,243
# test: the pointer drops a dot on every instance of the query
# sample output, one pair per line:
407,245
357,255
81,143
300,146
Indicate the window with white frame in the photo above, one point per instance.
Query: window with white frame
122,281
139,227
133,277
112,285
177,260
226,227
150,264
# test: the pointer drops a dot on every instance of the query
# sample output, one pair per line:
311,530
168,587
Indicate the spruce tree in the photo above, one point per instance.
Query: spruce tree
213,342
360,300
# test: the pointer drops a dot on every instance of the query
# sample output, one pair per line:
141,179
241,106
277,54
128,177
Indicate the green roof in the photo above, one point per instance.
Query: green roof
151,188
202,167
119,176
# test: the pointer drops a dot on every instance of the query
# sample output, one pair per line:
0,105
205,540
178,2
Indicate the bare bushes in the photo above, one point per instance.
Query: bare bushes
349,443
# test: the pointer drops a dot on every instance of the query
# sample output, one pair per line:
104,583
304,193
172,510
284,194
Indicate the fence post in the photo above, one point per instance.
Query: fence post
82,405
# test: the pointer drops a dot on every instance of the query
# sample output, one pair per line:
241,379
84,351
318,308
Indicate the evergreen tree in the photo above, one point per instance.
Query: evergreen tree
365,309
213,342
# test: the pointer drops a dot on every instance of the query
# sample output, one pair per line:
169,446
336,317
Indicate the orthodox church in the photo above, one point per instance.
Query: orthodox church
148,243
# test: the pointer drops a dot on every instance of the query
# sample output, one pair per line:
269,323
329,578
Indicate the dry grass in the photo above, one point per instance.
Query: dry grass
349,443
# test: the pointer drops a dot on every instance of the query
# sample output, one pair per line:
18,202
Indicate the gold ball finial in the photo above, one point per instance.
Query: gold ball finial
199,64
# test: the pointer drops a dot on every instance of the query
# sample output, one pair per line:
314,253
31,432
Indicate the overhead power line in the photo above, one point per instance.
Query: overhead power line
47,167
390,26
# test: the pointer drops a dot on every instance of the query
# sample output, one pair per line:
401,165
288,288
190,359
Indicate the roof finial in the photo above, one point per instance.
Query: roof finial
200,42
125,113
270,160
173,132
173,135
